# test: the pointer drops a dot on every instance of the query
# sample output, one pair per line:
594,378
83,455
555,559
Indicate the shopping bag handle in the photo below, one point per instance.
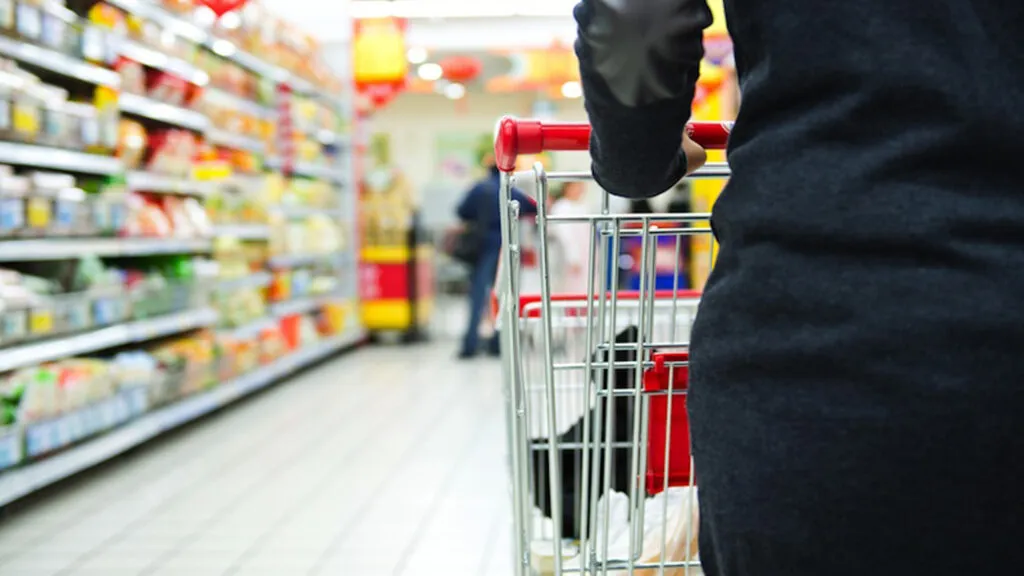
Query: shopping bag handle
517,136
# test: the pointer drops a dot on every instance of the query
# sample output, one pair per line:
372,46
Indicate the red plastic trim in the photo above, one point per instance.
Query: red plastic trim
515,137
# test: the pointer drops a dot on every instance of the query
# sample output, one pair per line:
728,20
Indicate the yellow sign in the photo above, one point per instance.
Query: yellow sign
378,52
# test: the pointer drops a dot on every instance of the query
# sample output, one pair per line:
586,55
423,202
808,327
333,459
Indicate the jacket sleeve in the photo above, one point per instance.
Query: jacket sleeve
467,210
639,62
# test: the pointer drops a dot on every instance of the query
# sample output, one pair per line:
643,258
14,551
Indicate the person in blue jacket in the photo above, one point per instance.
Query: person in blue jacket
856,391
480,207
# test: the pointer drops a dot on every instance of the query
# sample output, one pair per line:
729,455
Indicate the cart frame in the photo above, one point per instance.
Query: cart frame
600,309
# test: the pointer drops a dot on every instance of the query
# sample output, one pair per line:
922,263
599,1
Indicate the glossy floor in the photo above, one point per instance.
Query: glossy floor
386,461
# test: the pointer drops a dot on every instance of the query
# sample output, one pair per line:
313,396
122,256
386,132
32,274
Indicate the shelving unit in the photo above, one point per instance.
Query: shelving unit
58,63
20,482
166,113
71,248
103,338
58,159
46,451
143,181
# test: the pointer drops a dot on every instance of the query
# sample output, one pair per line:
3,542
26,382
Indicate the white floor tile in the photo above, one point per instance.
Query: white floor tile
383,462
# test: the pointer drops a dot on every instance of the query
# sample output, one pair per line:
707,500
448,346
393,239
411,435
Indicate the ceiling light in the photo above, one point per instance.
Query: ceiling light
416,55
429,72
223,47
572,89
454,91
231,20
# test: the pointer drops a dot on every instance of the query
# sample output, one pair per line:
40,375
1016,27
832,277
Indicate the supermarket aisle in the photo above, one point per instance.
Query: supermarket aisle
384,461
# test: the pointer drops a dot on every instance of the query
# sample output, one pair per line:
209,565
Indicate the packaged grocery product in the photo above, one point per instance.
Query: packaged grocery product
145,218
166,87
26,108
13,190
131,143
56,30
53,124
29,19
133,75
83,129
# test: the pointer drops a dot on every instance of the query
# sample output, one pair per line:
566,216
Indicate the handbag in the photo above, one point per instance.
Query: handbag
468,244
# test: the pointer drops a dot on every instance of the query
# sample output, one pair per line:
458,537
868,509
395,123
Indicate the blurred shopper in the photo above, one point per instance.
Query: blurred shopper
479,209
572,241
857,381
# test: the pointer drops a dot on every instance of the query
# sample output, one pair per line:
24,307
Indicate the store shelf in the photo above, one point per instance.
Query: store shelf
57,159
331,173
293,260
255,64
243,231
252,329
227,139
58,63
220,46
243,105
69,248
156,59
257,280
141,181
149,10
21,482
302,305
166,113
300,212
103,338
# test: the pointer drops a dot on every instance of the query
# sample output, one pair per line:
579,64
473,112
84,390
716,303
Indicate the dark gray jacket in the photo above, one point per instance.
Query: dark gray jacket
857,394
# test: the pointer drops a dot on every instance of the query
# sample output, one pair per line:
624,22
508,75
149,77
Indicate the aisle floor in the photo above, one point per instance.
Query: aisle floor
385,461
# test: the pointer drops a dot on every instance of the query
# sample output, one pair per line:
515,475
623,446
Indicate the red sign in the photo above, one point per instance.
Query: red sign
222,7
390,280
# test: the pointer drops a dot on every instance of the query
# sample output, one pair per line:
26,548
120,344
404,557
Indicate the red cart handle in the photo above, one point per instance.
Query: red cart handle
523,136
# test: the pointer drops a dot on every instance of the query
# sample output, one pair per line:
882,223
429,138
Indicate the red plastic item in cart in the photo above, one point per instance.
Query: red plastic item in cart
671,369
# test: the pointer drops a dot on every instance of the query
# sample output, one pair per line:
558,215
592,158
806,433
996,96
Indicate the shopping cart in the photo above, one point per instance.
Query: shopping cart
596,382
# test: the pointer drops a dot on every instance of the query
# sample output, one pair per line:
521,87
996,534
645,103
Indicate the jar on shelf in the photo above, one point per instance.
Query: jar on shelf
12,202
53,117
57,27
71,213
47,213
28,20
7,19
75,312
83,127
13,322
42,319
26,109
